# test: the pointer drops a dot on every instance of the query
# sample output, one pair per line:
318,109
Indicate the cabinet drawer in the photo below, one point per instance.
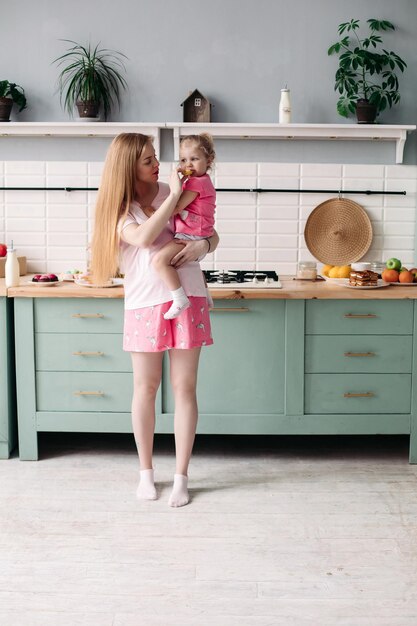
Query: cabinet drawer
78,315
355,393
359,317
84,391
81,352
358,353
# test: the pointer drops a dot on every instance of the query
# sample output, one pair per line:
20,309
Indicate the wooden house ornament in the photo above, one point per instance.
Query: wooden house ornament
196,108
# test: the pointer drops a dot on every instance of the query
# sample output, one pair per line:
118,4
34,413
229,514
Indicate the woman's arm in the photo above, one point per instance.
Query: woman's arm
192,250
143,235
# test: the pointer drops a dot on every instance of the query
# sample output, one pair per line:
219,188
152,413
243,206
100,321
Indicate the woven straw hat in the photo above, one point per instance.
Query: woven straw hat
338,232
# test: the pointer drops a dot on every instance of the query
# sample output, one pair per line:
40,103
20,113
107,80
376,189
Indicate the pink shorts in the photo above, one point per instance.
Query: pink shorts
146,330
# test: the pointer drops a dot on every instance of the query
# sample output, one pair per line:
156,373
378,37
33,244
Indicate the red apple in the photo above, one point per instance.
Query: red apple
36,278
414,273
3,249
52,277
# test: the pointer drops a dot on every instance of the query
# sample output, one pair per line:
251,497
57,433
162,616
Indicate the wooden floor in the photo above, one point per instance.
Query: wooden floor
280,531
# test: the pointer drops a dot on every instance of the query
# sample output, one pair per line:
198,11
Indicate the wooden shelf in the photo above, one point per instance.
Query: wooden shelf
286,132
317,132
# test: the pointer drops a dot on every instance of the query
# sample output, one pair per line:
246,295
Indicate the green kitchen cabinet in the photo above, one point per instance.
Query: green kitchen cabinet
277,366
7,380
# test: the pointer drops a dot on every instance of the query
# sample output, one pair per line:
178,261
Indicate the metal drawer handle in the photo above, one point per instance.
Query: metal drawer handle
87,315
368,394
360,354
88,393
242,309
358,316
88,354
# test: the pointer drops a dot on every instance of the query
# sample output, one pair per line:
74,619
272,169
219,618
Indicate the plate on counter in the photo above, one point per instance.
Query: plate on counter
380,283
114,282
51,283
404,284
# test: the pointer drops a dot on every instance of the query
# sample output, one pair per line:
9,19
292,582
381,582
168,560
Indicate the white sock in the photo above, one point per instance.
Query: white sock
179,495
180,302
209,299
146,488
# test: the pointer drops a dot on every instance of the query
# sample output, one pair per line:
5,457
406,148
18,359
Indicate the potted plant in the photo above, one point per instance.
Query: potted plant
366,77
92,78
10,93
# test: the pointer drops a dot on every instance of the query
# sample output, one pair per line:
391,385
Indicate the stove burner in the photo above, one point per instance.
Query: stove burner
239,276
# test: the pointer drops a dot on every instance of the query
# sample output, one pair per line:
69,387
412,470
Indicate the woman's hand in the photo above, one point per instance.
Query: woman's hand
175,183
189,251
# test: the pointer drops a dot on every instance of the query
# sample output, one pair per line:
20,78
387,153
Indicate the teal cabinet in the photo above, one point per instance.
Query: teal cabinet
242,376
276,367
7,380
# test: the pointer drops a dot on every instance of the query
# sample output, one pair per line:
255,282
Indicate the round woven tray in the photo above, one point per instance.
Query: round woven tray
338,232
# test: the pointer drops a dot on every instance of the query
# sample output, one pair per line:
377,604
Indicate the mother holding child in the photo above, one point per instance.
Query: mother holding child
157,234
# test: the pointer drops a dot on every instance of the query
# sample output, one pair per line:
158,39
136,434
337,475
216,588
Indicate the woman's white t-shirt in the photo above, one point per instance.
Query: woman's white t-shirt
142,285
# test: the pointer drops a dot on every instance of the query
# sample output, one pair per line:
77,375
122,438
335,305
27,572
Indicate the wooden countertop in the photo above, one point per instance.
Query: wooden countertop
3,290
292,290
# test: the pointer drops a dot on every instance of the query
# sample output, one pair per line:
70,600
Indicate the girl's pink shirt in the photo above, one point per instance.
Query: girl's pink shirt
143,286
200,219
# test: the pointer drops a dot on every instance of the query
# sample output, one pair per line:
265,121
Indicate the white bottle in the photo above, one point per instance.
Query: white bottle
11,269
285,107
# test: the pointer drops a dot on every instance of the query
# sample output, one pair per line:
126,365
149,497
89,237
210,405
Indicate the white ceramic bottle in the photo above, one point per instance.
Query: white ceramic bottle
285,107
11,269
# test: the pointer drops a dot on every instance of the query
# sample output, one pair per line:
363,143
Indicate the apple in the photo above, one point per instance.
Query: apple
393,264
52,277
414,273
3,249
36,278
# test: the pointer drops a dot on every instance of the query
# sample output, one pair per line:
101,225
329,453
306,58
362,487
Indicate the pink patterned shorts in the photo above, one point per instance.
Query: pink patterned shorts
146,330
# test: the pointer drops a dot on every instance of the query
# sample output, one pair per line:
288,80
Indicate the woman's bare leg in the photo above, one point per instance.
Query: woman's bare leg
184,366
147,372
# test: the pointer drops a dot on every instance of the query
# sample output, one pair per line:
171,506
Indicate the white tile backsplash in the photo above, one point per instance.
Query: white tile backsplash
258,231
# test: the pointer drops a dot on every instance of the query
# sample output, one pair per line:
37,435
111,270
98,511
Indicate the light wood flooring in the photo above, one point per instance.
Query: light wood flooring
317,531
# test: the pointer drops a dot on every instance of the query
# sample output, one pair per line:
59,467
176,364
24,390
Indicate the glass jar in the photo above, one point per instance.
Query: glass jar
378,267
307,270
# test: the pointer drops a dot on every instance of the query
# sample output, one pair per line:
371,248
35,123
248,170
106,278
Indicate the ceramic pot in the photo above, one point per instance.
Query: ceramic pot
6,105
365,112
89,108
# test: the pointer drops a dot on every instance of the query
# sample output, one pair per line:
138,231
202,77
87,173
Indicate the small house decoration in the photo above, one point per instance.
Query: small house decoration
196,108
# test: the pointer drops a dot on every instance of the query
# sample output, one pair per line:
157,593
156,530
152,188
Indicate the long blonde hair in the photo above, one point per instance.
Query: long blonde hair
116,192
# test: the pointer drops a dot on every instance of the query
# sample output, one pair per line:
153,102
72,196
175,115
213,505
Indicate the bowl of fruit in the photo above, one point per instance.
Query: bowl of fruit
44,280
335,274
398,275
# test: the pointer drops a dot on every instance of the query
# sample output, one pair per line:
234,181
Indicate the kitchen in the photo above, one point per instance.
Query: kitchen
324,510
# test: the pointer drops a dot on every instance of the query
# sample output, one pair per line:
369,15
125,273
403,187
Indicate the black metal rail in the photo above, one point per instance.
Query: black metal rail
367,192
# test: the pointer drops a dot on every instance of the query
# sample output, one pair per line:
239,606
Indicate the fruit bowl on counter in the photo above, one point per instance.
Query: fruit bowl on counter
336,274
396,274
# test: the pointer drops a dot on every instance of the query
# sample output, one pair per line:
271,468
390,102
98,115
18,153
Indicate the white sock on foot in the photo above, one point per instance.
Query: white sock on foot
179,303
179,495
146,488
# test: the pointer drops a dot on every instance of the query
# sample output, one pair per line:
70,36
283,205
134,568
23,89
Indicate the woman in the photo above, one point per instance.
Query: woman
133,217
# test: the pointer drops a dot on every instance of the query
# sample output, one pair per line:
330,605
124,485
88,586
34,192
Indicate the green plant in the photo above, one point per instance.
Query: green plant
92,74
366,70
13,91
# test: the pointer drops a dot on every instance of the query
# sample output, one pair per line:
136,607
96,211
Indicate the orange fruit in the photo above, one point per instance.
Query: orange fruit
406,277
390,276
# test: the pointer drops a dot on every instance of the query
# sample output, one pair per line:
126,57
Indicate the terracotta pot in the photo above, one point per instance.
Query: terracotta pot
6,105
365,112
89,108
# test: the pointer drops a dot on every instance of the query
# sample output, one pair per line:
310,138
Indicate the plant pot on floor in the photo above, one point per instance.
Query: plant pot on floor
6,105
89,108
365,112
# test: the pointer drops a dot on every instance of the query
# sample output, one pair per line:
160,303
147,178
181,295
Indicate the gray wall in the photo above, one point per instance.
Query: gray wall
238,53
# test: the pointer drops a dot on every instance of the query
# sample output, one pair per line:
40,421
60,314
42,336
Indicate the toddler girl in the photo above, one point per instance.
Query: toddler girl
194,213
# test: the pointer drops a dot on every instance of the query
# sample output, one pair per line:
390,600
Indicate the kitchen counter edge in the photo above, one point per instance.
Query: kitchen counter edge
291,290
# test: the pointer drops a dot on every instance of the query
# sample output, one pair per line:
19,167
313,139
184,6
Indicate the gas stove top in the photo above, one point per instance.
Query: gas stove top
250,279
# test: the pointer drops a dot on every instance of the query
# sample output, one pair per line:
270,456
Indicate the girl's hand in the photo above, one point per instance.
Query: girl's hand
175,183
189,251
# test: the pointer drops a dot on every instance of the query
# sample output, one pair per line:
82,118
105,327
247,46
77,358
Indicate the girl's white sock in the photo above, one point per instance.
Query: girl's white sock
179,495
179,303
146,488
